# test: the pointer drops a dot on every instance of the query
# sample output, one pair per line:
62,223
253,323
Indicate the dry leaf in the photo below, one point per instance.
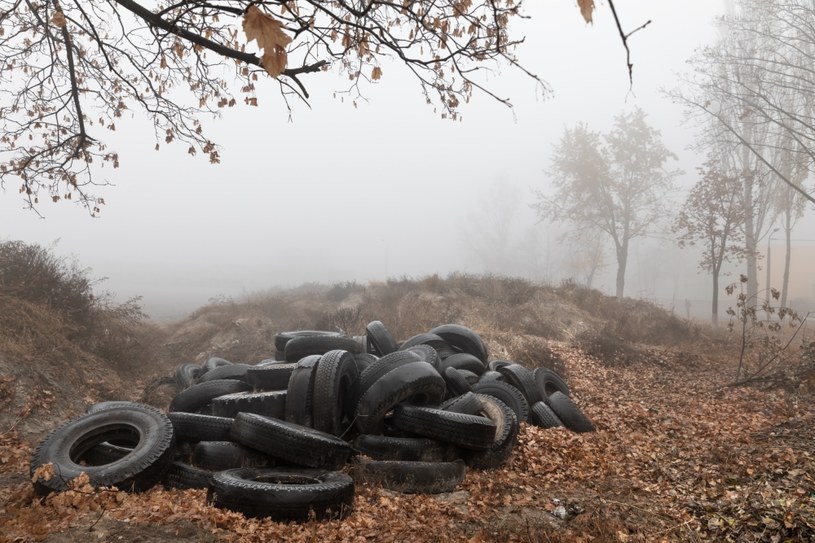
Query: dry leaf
376,73
586,7
268,33
58,19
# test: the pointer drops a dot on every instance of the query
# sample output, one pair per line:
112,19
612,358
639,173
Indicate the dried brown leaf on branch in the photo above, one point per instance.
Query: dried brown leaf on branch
268,32
586,7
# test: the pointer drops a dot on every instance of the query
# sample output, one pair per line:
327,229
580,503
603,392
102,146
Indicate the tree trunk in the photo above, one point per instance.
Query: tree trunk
622,261
714,317
787,258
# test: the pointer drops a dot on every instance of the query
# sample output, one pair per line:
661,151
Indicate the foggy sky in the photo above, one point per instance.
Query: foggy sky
383,189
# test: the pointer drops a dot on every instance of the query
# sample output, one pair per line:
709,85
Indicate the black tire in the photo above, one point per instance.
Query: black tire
465,431
425,338
411,477
380,339
271,376
549,381
335,382
496,365
268,404
506,435
105,453
417,381
508,394
570,415
198,427
284,494
145,429
467,403
300,347
282,338
543,416
521,378
491,375
221,455
300,392
456,383
187,375
183,475
114,404
363,360
214,362
427,354
378,369
464,361
199,396
463,339
407,449
297,444
231,371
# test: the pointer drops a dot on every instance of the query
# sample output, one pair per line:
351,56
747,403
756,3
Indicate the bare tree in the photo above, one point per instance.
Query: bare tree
710,217
615,184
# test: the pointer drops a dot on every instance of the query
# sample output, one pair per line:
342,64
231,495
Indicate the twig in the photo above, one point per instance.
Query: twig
624,37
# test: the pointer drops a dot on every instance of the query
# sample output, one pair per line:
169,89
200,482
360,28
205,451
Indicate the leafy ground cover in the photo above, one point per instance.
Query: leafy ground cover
678,456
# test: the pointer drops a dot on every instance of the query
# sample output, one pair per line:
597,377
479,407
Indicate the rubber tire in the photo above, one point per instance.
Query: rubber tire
183,475
232,371
570,415
428,354
406,449
467,403
411,477
214,362
464,361
284,494
522,378
221,455
425,338
549,381
417,381
506,435
268,404
384,365
364,360
149,431
463,339
456,383
300,347
270,377
282,338
380,339
543,416
198,427
187,375
335,382
300,392
465,431
508,394
199,396
297,444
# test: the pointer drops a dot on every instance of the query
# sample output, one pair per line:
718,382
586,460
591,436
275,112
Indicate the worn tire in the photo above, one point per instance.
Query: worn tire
380,339
300,392
187,375
335,382
522,378
543,416
417,382
410,477
183,475
231,371
221,455
571,415
407,449
300,347
508,394
214,362
148,431
199,396
549,381
282,338
456,383
284,494
463,339
198,427
464,361
467,403
268,404
465,431
506,435
270,376
297,444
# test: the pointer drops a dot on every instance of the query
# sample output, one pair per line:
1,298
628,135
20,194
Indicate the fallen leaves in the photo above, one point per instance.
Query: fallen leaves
268,33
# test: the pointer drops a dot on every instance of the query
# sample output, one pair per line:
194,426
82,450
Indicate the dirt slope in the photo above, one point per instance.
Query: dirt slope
678,456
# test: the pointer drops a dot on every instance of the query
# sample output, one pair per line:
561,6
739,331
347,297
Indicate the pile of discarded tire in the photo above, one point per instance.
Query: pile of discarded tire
275,439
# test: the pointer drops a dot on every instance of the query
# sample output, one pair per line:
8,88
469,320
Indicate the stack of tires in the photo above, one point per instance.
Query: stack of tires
274,439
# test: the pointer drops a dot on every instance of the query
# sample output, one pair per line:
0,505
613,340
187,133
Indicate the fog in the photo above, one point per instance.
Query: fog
385,188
